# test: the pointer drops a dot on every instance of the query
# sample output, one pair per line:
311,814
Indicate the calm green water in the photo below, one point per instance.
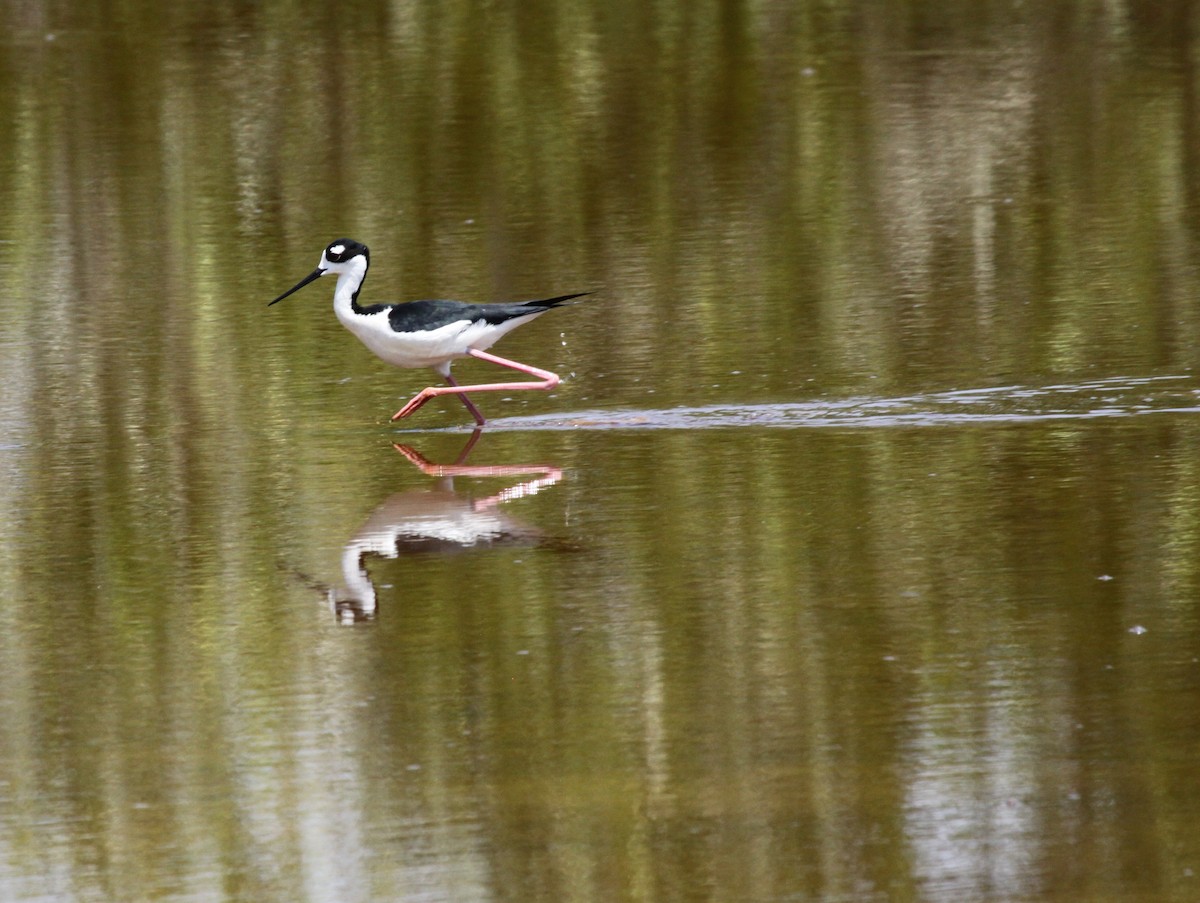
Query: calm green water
857,558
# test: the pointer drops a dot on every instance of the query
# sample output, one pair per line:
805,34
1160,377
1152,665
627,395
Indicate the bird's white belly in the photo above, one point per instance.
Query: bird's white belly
433,348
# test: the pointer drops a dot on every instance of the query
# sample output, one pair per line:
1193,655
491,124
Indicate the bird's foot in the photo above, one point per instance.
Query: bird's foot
413,405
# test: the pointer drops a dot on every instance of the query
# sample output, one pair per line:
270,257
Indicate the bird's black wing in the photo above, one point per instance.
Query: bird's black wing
423,316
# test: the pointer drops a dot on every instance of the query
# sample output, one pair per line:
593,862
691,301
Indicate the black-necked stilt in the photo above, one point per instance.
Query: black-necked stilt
427,333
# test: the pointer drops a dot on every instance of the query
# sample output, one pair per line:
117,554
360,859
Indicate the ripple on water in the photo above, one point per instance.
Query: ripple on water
1094,399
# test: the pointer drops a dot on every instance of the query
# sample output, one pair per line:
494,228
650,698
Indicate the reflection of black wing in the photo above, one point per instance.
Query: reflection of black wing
432,545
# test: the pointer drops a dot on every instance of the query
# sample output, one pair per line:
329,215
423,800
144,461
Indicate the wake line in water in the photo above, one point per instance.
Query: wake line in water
1093,400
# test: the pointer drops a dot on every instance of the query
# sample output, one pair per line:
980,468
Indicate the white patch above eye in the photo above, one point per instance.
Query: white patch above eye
338,249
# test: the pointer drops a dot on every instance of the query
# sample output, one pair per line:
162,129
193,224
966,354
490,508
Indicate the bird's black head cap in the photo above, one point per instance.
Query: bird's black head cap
344,248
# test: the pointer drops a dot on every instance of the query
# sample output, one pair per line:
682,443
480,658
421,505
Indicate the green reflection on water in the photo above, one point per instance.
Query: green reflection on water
872,661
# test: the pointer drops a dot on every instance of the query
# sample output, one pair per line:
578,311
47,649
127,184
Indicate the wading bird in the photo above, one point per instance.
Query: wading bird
427,333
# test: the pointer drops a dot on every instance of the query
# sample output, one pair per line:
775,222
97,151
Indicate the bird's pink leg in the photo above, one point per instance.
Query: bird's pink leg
545,380
479,421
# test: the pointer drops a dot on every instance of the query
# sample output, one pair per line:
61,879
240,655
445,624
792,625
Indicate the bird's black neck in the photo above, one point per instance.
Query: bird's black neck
358,288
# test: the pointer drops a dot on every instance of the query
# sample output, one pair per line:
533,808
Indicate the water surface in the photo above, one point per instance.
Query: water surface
854,559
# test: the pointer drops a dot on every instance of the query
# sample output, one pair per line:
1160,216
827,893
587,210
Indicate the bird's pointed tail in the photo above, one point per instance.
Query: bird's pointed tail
547,303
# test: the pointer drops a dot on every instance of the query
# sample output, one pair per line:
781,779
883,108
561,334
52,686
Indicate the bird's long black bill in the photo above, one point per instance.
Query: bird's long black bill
314,275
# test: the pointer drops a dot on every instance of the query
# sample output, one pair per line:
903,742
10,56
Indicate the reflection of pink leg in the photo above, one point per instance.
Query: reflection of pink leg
546,380
547,475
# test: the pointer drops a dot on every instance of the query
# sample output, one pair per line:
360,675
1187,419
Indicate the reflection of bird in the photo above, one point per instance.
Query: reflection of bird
428,333
438,522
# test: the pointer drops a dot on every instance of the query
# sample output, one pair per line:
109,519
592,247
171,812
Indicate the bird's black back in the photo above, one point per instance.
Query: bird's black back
423,316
